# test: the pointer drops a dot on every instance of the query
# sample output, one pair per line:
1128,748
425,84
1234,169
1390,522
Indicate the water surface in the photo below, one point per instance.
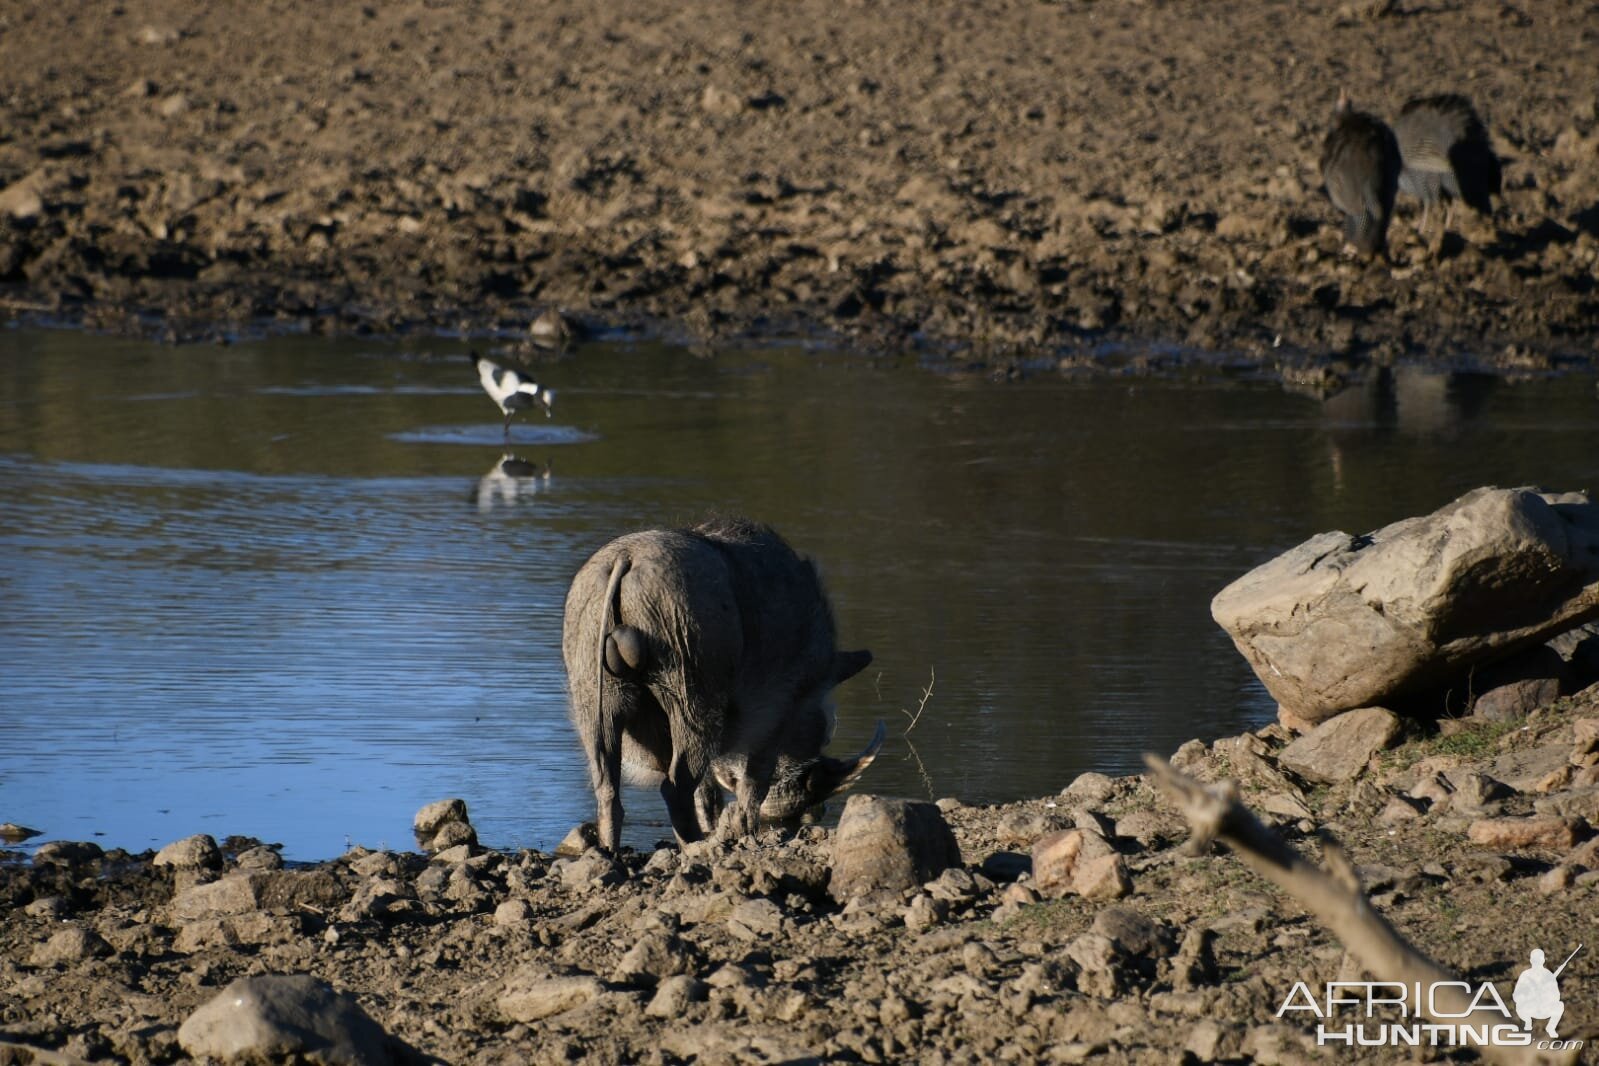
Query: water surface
285,589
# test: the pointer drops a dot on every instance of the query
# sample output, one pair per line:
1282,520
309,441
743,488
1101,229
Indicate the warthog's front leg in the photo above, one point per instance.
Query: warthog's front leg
744,818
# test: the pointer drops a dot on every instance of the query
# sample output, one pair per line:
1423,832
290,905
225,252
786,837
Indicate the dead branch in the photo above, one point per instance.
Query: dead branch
1334,897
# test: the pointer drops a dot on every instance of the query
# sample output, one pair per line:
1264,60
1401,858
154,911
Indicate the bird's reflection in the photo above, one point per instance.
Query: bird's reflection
509,481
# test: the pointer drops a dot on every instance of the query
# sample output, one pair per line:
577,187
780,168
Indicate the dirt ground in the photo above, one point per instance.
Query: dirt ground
1018,181
742,955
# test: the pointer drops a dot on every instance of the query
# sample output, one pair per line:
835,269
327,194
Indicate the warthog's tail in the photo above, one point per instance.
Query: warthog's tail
608,733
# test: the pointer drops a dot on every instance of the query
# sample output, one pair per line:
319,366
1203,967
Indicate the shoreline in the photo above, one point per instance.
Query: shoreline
731,954
389,169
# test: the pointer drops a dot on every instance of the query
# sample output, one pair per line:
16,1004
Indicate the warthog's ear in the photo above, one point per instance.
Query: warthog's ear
846,664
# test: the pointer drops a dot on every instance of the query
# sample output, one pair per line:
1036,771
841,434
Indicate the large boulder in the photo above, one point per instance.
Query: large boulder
1343,621
889,845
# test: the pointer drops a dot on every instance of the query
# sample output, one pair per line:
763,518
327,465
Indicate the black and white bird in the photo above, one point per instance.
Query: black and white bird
1444,146
1360,165
511,390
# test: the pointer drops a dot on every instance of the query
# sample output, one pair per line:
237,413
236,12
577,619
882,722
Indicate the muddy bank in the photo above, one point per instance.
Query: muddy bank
1028,179
1476,843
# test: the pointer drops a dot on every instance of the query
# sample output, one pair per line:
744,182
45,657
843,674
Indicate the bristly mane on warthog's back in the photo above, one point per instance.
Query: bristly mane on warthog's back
704,659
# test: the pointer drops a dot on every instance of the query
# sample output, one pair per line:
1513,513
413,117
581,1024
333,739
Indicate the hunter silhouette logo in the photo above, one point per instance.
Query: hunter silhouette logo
1537,993
1441,1014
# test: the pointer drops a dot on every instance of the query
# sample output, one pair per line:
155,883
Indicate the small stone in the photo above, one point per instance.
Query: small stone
1090,788
173,105
1340,748
51,908
529,997
280,1018
258,859
654,957
451,835
67,853
1056,858
70,945
1102,878
513,913
925,912
1401,809
237,893
1539,831
592,869
551,326
1555,880
673,996
755,920
1021,895
199,852
12,833
1134,932
954,885
1516,700
581,838
431,818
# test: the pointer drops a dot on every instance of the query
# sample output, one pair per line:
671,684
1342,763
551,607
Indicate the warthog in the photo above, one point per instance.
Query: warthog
702,660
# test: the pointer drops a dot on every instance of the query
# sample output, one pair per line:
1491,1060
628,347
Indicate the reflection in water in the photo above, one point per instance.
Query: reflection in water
254,602
511,480
1409,400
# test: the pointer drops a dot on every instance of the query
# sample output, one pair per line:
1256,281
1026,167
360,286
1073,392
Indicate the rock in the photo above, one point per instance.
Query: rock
954,885
261,858
1057,857
50,908
1401,809
1020,895
1103,878
1473,793
1098,965
1516,699
67,853
1513,688
593,868
925,912
530,996
1090,788
581,838
513,913
70,945
21,199
237,893
1195,963
1134,932
654,957
434,817
1556,879
1540,831
1341,622
452,835
1586,855
551,327
1579,650
199,852
889,845
755,919
673,996
12,833
277,1017
1340,749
